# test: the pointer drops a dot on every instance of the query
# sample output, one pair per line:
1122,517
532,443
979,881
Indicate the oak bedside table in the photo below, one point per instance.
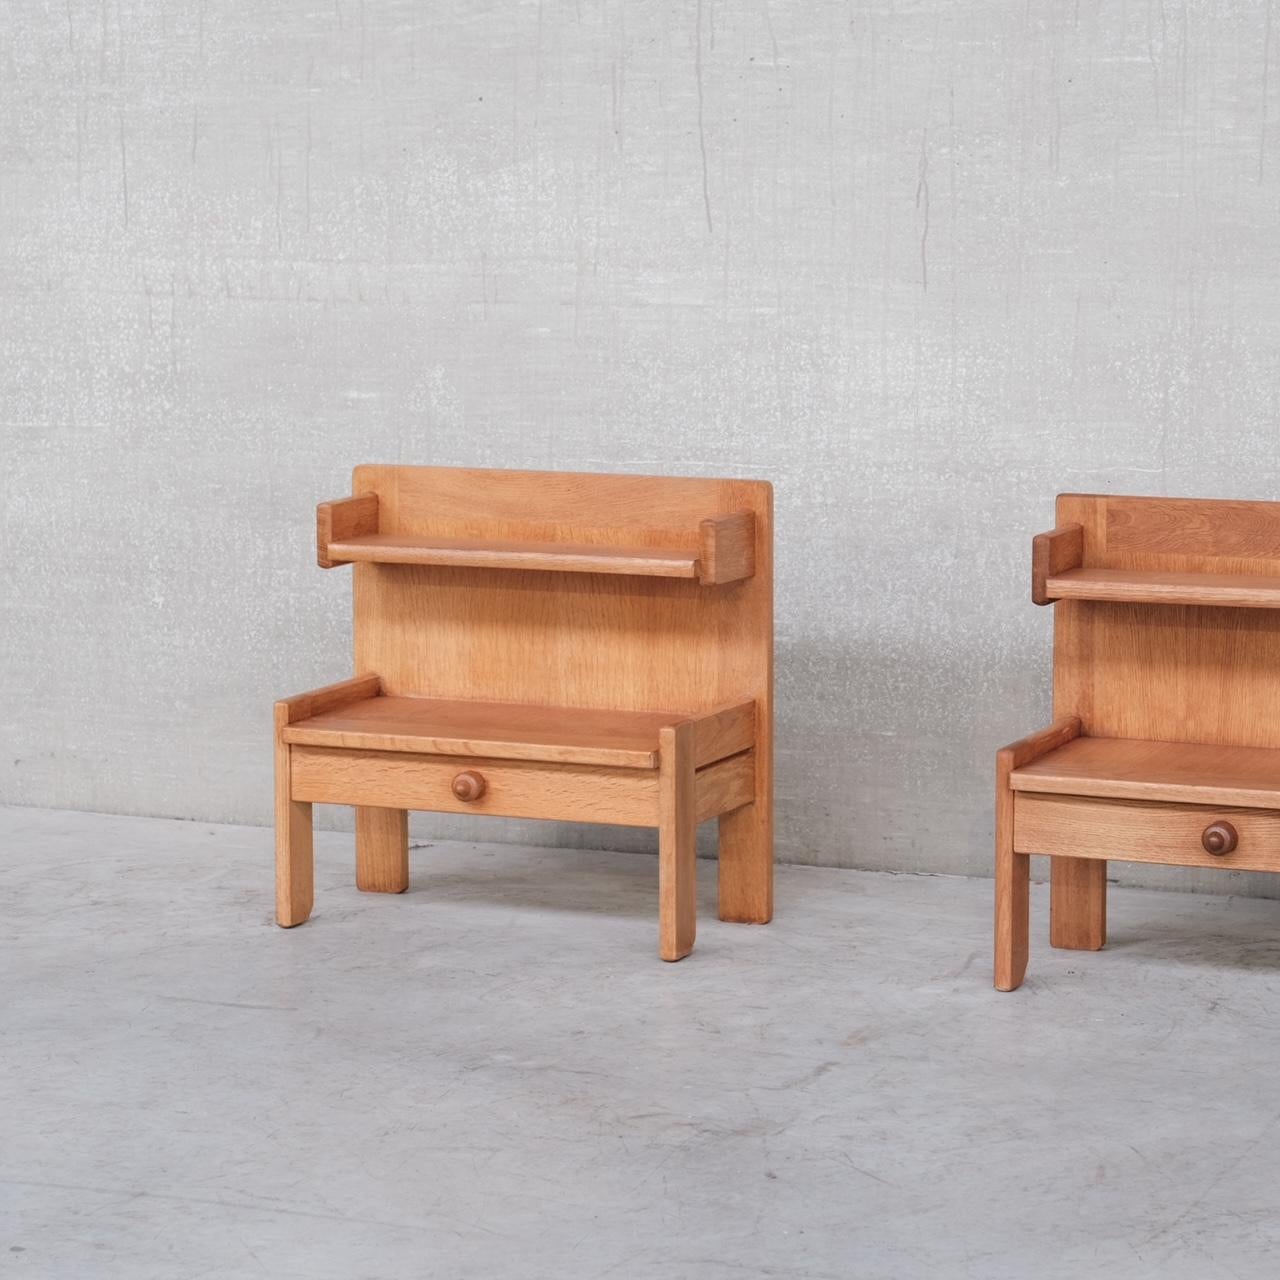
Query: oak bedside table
592,648
1165,745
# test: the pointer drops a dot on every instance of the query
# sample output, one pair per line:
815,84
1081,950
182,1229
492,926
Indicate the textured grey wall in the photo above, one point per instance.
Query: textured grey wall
923,264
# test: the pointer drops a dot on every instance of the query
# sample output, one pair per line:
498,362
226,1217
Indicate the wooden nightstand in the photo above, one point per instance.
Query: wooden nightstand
587,648
1166,690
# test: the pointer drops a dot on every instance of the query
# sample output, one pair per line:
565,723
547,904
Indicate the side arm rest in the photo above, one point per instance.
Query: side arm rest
724,731
1025,750
329,698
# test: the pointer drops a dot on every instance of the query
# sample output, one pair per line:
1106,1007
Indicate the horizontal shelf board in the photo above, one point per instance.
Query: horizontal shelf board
1131,769
498,730
1149,587
395,548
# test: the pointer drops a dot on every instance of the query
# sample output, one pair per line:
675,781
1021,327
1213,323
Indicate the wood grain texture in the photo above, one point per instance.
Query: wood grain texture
1170,672
583,640
714,550
677,842
1145,586
543,557
1211,528
382,850
295,861
1141,831
726,548
1051,554
499,730
1189,773
343,519
1165,649
1012,890
514,788
315,702
528,630
1018,755
726,785
724,732
1077,902
1013,869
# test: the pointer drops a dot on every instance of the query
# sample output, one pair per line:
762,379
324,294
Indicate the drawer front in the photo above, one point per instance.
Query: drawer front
1141,831
507,788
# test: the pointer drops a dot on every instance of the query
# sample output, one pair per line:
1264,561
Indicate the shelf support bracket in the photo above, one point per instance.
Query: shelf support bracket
346,518
1054,553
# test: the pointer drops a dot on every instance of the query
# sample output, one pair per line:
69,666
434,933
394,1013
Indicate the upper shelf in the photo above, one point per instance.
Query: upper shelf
348,531
1146,587
1058,572
394,548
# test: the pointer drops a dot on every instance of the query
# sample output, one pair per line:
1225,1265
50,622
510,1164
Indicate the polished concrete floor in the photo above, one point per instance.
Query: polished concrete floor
494,1075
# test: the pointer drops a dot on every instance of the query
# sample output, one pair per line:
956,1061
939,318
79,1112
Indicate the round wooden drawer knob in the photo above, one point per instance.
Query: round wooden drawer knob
1220,838
470,785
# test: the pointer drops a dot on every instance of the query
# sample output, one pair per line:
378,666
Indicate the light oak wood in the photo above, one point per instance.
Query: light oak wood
339,521
1077,903
726,786
513,788
1013,869
544,631
724,732
1023,753
1236,591
502,730
1166,648
727,548
1168,672
1212,528
583,640
1144,831
720,550
1053,554
677,842
544,557
1122,768
295,861
382,850
316,702
1013,891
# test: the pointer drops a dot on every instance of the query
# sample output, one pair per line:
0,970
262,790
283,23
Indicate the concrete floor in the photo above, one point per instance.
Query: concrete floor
494,1076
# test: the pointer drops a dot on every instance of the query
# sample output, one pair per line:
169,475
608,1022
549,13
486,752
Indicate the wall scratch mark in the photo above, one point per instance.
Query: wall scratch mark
922,207
1266,71
702,136
81,121
124,174
307,173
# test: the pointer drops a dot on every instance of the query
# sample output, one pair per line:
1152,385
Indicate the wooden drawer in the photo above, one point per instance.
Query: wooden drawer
512,788
1142,831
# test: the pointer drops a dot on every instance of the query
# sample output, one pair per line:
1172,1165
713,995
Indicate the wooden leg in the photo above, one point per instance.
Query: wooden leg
295,862
746,864
677,842
382,850
1078,903
1013,892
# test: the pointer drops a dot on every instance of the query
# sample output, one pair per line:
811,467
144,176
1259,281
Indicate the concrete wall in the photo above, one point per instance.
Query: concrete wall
923,264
